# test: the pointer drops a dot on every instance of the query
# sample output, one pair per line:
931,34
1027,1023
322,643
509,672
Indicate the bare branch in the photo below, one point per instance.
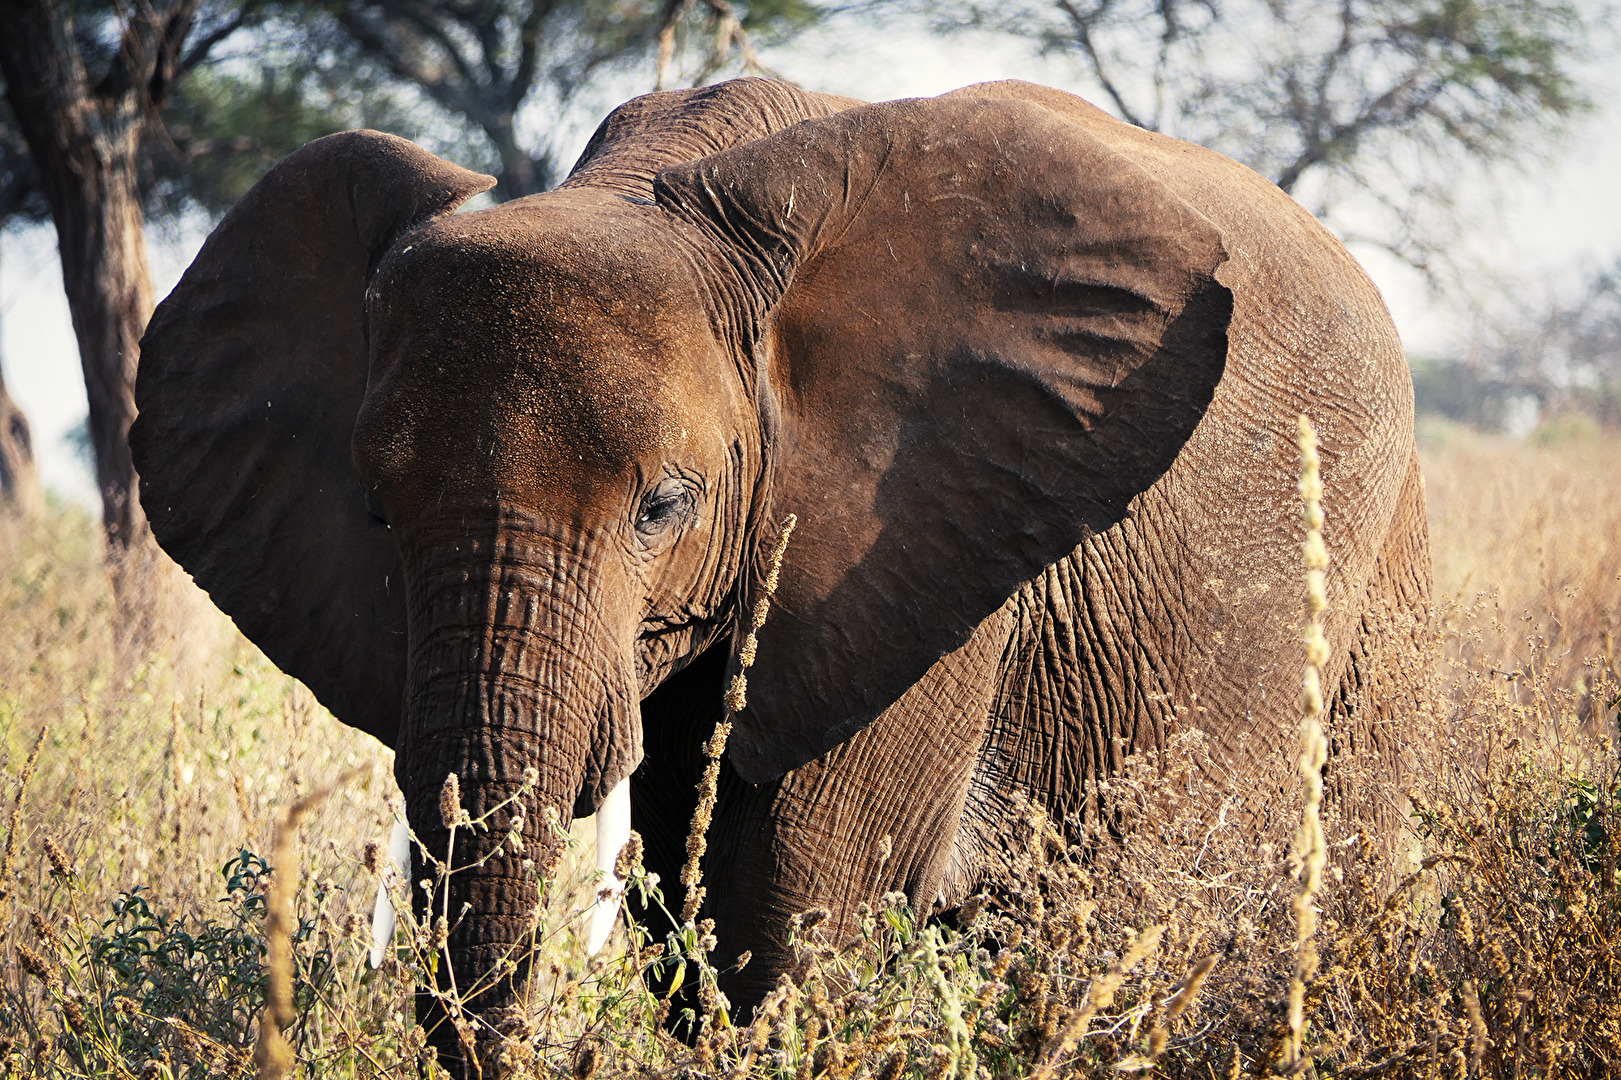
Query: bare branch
1083,37
523,72
672,11
203,45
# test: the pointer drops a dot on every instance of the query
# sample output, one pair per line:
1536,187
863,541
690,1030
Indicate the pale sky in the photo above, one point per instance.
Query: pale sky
1557,221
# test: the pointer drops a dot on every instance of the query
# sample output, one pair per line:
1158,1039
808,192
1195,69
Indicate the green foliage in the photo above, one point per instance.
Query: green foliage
225,129
144,985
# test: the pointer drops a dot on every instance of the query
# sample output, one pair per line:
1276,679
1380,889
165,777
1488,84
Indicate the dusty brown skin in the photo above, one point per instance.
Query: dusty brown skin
497,486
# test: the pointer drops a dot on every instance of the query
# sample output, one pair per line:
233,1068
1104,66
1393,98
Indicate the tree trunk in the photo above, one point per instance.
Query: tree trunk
19,482
84,141
19,479
521,174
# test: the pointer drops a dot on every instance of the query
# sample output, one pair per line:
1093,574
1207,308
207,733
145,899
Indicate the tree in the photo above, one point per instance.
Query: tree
118,110
87,143
20,199
81,96
1332,101
19,481
1562,359
484,60
85,83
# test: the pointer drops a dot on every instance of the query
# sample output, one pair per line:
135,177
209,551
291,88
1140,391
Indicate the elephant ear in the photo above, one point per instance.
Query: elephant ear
250,377
982,331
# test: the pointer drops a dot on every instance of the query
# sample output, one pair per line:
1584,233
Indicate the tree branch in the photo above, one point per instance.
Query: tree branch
166,53
523,72
403,67
1083,36
205,44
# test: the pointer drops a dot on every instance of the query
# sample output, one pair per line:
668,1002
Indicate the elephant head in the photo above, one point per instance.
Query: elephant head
483,481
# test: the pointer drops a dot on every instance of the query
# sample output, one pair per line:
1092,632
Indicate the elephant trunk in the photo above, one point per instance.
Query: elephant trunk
520,711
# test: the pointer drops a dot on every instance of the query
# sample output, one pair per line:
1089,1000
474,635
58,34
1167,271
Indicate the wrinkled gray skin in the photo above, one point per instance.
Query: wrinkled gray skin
498,486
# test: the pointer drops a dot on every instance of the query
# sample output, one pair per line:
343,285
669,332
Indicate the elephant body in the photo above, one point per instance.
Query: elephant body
1027,377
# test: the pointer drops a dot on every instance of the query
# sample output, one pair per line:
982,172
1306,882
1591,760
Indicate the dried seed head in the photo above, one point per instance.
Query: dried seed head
894,1067
737,696
33,963
585,1063
630,857
74,1015
46,932
371,857
450,802
58,860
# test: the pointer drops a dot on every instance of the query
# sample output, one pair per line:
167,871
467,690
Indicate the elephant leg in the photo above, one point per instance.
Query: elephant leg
1383,681
879,813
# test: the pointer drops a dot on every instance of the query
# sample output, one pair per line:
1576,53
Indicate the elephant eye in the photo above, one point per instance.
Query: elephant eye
668,503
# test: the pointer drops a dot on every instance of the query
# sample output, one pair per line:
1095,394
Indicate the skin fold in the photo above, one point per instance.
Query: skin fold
499,486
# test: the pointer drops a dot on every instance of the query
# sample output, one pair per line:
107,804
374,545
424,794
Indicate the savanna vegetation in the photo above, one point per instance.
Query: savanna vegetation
1476,933
156,767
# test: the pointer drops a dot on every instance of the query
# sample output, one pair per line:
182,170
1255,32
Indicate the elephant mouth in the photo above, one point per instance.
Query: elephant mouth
612,834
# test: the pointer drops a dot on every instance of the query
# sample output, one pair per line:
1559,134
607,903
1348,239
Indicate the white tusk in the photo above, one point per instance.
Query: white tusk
382,915
613,831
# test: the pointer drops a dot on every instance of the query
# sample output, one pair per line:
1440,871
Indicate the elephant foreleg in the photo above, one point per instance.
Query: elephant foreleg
880,813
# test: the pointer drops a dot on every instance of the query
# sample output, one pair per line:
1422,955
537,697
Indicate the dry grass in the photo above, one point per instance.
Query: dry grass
1166,942
1531,531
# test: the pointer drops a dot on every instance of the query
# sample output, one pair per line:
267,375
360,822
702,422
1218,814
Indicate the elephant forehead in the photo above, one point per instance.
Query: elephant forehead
566,333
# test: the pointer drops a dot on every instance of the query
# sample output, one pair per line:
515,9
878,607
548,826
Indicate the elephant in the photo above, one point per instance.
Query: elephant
500,485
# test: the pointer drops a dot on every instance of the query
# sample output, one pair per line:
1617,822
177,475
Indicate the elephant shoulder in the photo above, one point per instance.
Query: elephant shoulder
669,127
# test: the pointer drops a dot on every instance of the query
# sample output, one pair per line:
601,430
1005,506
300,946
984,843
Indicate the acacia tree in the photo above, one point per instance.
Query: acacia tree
132,119
483,60
1375,100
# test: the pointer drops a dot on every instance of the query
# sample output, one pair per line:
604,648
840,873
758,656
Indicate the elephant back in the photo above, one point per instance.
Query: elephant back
671,127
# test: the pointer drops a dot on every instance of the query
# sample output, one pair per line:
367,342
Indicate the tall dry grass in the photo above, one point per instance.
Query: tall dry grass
1530,532
1165,937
